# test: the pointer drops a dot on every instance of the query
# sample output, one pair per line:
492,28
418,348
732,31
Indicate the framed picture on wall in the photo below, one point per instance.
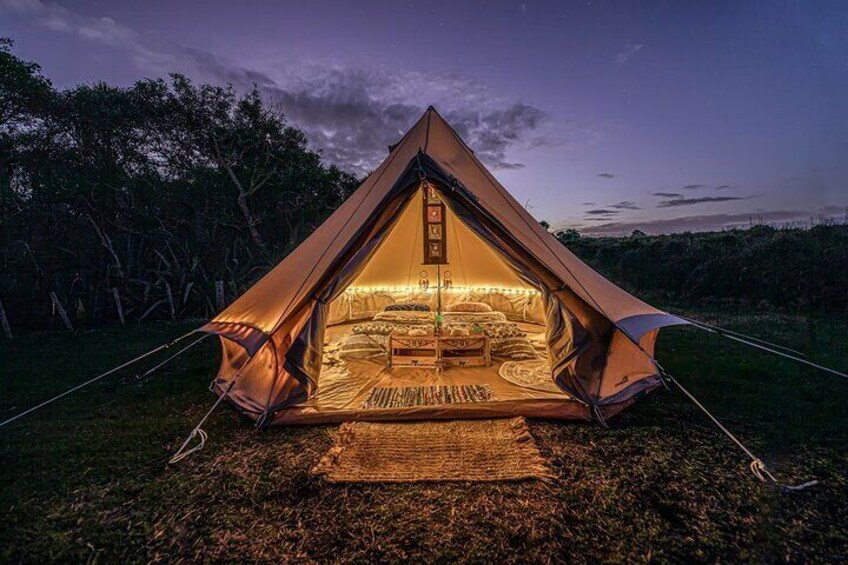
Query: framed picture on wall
435,228
432,195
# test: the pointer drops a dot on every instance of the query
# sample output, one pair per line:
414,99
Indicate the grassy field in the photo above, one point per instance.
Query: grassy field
86,479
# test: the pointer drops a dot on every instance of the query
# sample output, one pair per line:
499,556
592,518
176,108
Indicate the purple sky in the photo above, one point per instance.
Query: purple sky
603,116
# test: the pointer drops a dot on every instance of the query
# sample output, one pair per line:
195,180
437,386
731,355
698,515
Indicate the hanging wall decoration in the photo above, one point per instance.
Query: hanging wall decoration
447,280
435,242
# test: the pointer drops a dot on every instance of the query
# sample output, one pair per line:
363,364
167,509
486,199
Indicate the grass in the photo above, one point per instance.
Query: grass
86,479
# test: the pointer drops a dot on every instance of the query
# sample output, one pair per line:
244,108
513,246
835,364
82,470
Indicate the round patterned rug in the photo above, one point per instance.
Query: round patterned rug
534,373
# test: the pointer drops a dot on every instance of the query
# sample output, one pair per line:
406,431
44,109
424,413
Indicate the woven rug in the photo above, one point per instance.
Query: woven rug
535,374
458,450
402,397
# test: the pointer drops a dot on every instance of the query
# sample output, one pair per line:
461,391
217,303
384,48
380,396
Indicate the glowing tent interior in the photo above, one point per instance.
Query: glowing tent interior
431,293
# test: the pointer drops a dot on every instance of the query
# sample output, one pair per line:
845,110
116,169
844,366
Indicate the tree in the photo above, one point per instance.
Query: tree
568,236
165,185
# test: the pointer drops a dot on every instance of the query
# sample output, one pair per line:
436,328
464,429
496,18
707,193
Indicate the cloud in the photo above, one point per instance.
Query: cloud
713,222
20,6
606,175
349,114
587,203
694,186
492,129
694,201
625,205
723,186
602,212
668,194
628,53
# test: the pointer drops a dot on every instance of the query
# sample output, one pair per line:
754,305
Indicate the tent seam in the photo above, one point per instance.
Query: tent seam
427,133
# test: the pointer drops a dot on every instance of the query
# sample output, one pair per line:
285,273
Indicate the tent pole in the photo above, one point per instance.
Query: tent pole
439,290
97,378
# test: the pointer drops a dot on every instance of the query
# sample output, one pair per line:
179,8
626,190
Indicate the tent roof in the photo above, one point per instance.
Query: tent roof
285,288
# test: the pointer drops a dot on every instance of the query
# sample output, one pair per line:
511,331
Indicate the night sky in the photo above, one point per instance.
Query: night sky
603,116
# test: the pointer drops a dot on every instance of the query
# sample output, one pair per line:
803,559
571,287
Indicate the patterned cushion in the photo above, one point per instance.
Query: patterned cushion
405,317
469,307
375,328
516,348
407,307
360,346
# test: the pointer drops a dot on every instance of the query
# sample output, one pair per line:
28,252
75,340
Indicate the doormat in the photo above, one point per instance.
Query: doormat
404,397
455,450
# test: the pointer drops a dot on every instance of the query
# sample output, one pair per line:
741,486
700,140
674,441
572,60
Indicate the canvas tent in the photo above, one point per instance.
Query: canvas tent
599,339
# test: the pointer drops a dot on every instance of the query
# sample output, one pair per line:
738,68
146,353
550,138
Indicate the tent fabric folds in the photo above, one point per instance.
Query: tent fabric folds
600,338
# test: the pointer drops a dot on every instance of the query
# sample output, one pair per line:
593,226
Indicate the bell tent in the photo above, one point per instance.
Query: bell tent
429,239
431,293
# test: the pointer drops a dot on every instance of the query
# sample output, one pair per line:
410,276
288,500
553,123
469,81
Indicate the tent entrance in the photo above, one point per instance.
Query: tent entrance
475,272
395,291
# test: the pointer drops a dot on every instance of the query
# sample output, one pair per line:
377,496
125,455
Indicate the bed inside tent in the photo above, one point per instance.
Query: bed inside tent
380,358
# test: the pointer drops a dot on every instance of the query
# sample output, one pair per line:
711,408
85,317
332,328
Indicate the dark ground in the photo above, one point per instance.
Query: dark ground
86,479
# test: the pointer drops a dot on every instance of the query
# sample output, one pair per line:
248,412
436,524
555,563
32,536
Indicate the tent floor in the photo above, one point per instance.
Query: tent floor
343,389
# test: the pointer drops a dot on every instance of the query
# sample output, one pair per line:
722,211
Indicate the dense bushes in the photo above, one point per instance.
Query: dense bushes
164,191
760,267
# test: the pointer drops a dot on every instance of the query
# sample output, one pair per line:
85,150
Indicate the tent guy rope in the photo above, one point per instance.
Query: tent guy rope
198,431
718,330
764,346
155,368
103,375
758,468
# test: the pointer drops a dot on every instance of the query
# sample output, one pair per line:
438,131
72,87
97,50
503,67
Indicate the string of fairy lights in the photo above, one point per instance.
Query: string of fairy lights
432,289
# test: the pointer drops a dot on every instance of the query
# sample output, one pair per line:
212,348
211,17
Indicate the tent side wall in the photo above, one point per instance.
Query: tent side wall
285,369
263,307
459,162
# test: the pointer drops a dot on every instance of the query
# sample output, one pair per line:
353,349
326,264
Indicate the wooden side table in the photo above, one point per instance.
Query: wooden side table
439,352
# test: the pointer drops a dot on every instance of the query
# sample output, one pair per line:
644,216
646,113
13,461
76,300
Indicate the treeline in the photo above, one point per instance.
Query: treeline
761,267
156,201
166,199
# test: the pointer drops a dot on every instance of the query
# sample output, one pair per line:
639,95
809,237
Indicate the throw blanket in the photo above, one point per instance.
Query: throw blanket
506,338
